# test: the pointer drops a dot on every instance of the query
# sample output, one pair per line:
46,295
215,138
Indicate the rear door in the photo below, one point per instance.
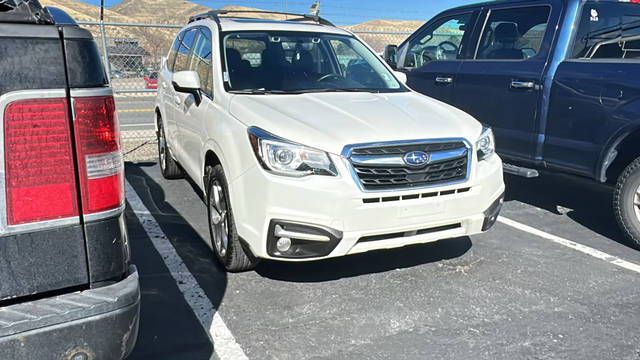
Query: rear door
165,95
594,97
432,56
501,84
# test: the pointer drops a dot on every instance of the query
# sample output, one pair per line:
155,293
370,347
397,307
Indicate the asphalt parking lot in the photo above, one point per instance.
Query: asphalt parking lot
570,291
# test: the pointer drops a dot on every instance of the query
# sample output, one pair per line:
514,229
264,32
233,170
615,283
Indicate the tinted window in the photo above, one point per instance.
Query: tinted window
514,34
174,51
184,52
201,60
31,64
601,23
440,41
84,58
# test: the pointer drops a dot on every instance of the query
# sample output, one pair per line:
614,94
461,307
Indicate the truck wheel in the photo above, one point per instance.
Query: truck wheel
169,167
626,202
222,227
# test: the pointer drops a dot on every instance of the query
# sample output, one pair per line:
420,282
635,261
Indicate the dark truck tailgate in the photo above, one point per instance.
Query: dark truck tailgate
42,256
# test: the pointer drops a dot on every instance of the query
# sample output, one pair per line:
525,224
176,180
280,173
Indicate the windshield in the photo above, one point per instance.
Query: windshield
288,62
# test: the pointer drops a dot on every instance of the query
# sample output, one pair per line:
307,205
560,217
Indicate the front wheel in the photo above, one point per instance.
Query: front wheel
224,236
626,202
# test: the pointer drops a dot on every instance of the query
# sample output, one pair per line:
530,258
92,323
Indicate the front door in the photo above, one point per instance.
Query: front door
192,116
501,85
432,56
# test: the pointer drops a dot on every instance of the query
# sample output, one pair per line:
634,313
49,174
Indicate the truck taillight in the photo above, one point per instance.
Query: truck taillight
40,174
101,164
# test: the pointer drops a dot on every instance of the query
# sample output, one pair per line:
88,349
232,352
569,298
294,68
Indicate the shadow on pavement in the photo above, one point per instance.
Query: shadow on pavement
582,200
366,263
168,327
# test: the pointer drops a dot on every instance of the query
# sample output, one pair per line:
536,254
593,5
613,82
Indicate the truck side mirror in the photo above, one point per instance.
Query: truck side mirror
390,55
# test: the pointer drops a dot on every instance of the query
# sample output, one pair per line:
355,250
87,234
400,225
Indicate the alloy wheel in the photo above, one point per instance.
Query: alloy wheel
162,149
218,211
636,203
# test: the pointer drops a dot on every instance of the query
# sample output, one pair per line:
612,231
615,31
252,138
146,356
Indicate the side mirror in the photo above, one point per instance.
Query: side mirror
389,55
401,76
188,82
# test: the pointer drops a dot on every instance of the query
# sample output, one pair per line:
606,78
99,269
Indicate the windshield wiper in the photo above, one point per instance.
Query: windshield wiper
260,92
320,90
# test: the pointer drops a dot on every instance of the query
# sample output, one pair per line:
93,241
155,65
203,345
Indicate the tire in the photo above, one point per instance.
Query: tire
626,202
232,255
168,166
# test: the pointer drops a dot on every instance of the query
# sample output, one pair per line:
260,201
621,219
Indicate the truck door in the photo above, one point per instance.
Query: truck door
432,56
501,84
593,97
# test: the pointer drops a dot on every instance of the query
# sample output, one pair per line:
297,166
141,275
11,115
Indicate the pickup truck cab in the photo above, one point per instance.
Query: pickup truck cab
67,288
307,146
557,80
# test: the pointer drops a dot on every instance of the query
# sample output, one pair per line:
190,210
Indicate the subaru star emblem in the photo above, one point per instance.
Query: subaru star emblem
416,158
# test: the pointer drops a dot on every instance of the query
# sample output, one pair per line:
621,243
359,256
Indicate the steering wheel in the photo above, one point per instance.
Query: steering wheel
425,58
329,76
442,48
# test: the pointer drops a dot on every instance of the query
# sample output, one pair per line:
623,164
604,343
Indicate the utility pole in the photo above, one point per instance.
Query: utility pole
107,66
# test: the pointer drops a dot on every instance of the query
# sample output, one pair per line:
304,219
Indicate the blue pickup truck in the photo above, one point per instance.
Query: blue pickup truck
557,80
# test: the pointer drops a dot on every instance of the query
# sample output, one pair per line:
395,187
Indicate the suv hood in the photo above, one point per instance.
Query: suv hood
330,121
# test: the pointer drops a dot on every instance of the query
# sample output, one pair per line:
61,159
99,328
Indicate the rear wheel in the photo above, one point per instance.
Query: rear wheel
626,201
224,237
169,167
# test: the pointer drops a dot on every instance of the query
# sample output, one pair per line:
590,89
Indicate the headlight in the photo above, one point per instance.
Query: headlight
486,144
284,157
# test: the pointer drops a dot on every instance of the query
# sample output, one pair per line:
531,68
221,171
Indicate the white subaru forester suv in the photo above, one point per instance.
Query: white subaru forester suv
308,146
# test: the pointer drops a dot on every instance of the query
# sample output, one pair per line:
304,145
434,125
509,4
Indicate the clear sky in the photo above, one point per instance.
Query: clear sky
346,12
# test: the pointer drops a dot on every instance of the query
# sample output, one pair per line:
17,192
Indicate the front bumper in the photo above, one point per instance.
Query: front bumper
102,323
397,218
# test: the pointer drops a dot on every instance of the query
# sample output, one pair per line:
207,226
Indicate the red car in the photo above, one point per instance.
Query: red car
151,81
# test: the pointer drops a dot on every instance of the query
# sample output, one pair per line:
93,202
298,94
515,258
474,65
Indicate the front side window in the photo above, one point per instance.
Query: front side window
174,51
608,30
514,34
201,60
184,52
294,62
441,41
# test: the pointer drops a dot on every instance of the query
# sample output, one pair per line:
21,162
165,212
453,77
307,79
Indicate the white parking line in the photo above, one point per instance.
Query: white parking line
224,344
570,244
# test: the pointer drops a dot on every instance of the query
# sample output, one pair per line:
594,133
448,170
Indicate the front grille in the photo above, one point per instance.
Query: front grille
383,176
403,149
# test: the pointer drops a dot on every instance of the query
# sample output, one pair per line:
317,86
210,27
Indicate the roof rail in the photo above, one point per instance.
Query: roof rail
214,15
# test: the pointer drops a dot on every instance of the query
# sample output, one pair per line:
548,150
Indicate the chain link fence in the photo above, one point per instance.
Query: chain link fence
133,55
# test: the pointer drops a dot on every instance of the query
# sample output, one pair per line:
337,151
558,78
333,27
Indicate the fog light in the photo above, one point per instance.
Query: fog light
283,244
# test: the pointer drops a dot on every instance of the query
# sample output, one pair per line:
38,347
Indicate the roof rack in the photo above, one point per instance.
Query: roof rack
214,15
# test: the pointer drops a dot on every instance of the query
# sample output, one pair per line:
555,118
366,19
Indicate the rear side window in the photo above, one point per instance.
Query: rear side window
438,42
184,52
174,51
27,63
201,59
84,58
608,30
514,34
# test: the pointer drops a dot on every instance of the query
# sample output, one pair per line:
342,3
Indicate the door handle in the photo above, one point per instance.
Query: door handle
444,80
515,84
